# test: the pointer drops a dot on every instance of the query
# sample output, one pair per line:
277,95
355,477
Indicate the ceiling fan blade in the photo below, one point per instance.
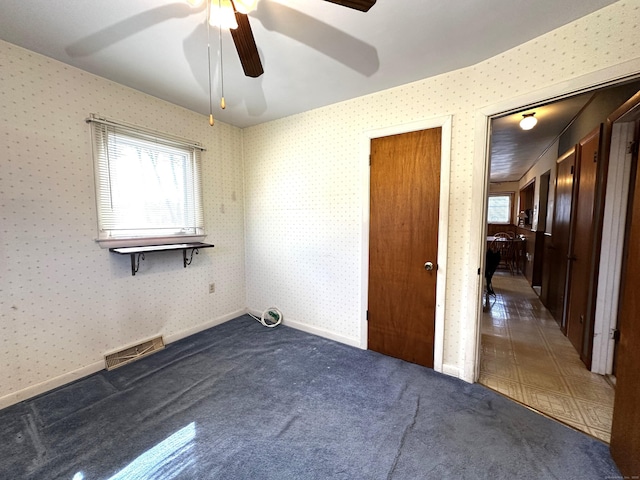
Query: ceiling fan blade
246,47
362,5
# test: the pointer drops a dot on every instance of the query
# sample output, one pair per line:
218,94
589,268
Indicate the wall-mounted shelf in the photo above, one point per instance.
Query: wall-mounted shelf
140,251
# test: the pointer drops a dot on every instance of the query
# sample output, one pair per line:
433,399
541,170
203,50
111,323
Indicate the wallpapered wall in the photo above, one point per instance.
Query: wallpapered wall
304,197
64,301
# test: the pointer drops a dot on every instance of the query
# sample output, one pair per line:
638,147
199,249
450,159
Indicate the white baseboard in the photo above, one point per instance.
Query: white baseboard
450,370
59,381
174,337
320,332
40,388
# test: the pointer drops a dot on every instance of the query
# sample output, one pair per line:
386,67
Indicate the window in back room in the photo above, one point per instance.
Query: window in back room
148,186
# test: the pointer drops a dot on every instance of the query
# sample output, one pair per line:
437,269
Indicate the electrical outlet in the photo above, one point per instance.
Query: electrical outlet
212,288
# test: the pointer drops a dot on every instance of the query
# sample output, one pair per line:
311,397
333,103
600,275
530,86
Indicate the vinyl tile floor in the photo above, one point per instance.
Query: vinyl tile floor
526,357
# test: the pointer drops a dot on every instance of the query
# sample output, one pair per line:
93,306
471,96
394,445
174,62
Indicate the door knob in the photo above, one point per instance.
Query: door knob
428,266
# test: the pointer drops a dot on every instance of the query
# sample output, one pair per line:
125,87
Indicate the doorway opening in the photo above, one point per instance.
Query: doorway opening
540,343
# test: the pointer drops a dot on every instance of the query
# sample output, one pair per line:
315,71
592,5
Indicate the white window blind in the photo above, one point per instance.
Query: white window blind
148,185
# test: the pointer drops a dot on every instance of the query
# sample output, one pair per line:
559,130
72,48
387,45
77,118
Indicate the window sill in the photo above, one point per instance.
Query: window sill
147,241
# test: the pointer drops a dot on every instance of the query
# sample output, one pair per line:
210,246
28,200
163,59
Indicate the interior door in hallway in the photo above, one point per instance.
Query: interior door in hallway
581,253
559,245
403,244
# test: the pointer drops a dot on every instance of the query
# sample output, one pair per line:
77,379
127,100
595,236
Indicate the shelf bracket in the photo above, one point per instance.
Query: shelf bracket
184,256
135,266
142,249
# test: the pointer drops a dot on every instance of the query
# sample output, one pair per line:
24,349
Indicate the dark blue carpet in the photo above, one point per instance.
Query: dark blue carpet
240,401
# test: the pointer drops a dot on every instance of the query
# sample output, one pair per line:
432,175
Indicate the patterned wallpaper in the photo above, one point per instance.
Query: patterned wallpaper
304,197
64,301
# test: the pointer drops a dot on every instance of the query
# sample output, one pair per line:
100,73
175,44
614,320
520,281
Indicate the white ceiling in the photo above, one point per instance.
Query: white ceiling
314,52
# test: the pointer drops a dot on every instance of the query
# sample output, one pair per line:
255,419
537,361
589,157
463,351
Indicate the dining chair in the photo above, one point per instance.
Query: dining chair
503,243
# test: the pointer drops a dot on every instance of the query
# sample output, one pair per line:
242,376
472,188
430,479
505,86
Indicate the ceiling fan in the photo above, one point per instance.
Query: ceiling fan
232,14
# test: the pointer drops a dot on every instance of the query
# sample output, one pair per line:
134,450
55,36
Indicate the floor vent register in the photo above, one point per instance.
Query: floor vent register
131,354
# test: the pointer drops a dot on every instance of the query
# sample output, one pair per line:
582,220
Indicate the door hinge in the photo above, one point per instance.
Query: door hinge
633,148
595,156
369,160
615,334
367,315
478,270
572,169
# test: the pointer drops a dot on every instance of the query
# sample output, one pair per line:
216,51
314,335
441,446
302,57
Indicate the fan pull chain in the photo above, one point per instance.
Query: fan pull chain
223,104
209,64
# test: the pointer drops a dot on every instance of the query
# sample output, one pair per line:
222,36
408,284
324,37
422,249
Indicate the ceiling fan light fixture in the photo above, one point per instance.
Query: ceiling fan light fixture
528,121
245,6
222,14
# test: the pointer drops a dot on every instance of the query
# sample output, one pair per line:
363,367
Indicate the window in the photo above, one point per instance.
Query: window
148,186
499,209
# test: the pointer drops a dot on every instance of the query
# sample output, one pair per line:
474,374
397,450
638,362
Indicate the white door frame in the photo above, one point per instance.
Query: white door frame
613,234
598,79
443,224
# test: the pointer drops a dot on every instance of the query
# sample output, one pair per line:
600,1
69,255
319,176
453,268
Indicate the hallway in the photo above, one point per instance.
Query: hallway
525,356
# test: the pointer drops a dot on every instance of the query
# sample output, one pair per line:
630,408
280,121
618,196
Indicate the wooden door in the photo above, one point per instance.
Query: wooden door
580,256
403,237
558,248
625,429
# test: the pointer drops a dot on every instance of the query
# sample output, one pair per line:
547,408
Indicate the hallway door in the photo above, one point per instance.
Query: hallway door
580,256
561,230
403,244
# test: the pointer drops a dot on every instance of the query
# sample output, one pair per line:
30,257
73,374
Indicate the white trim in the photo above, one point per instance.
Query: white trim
40,388
470,353
450,370
48,385
613,233
443,242
600,78
445,122
364,235
320,332
174,337
148,241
